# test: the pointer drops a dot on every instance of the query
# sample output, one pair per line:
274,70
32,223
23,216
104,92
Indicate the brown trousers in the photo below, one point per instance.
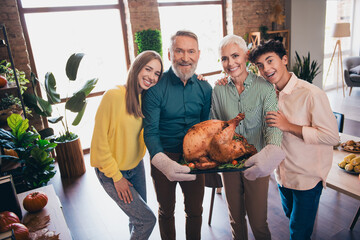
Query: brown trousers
193,192
247,197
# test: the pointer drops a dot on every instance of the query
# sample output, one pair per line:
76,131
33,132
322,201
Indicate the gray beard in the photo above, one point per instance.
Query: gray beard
184,76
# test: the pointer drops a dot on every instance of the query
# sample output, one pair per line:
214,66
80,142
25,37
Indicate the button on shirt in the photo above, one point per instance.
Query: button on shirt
308,160
170,109
255,101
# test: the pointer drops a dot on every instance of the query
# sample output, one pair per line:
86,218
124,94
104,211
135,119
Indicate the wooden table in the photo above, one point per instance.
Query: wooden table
53,208
341,181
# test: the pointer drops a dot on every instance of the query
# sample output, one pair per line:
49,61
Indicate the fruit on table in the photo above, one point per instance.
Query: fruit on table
348,158
349,167
21,232
350,163
7,218
355,161
3,81
35,201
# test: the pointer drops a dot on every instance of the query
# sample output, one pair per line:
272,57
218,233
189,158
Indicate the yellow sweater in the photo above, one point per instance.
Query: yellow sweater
117,142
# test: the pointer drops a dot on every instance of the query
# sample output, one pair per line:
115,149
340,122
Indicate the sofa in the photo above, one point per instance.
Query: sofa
352,72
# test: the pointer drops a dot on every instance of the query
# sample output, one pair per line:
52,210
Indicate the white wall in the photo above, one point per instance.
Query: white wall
308,30
355,31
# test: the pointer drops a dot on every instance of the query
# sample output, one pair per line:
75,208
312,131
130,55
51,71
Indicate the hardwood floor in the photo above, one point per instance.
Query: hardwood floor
91,214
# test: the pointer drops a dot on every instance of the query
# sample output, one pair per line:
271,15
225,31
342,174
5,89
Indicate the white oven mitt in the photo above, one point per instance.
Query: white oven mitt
264,162
171,169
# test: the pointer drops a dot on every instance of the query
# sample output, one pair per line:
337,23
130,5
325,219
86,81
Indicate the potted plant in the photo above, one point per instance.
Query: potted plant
305,69
33,154
149,40
69,152
7,71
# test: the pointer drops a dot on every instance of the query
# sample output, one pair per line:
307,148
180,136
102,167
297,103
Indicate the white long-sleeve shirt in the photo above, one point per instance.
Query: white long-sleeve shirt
308,160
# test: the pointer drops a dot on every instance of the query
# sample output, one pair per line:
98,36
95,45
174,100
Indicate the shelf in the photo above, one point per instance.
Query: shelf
255,38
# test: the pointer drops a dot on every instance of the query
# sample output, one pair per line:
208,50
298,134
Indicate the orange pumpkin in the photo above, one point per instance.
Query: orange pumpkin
3,81
21,232
35,201
7,218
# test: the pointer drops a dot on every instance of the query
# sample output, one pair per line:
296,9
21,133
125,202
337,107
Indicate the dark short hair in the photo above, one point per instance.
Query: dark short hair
266,47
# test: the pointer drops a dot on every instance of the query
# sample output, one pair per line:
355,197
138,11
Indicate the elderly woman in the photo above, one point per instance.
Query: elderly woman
247,192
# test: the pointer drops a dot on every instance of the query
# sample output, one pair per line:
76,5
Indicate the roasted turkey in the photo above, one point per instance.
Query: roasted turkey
213,142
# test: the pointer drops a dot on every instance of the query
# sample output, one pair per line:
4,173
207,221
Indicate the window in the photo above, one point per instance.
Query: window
336,11
56,29
204,19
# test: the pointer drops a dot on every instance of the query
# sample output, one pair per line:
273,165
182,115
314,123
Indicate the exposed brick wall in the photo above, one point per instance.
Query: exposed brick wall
249,15
141,15
9,16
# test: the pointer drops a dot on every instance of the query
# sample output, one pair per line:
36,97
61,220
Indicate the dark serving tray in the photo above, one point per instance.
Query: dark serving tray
226,167
215,170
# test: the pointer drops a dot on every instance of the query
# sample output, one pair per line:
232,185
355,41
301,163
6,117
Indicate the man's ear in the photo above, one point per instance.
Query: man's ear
285,59
169,55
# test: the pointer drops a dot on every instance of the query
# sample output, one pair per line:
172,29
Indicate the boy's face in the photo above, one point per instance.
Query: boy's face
273,68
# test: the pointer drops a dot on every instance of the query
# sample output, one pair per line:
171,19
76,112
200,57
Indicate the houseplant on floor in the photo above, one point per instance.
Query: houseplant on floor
32,154
68,151
304,68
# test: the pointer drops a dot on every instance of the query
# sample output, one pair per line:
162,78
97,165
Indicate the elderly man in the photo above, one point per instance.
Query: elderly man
175,104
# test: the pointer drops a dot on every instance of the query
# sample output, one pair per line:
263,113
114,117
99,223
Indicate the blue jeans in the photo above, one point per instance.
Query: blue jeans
301,208
141,218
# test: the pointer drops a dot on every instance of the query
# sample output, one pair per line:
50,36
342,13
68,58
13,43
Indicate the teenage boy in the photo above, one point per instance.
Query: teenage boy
309,132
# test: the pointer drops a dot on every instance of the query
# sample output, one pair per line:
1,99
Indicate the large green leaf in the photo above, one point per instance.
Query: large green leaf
72,65
39,154
40,106
55,119
79,116
6,135
50,86
76,102
89,86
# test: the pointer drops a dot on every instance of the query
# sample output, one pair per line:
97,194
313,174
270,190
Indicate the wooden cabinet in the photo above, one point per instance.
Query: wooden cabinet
281,35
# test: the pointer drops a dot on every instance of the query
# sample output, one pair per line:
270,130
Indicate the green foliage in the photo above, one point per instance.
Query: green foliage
37,165
149,40
9,100
5,68
76,103
305,69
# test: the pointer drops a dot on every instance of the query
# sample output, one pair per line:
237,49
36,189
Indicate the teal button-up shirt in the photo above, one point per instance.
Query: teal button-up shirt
170,109
258,98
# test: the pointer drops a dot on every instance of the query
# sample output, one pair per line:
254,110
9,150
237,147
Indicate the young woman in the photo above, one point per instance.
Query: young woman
117,146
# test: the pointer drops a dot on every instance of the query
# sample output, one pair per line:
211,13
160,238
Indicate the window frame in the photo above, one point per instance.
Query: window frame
192,3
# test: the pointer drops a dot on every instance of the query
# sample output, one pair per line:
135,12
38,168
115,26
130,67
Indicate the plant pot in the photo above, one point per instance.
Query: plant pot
70,158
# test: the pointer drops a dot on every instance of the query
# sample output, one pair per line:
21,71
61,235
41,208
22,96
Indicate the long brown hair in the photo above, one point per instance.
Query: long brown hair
132,85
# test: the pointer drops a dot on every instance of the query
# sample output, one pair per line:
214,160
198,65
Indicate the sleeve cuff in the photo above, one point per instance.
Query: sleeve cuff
117,176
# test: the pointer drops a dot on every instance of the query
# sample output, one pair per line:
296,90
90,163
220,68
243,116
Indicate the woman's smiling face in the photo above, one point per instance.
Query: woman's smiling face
233,60
149,74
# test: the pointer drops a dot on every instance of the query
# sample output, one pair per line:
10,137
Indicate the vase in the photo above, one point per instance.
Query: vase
70,158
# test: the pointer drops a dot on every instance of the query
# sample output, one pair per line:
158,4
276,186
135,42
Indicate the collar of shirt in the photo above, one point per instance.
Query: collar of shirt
290,86
176,80
247,83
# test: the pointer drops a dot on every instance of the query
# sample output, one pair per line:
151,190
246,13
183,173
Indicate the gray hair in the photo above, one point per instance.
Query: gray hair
182,33
233,39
